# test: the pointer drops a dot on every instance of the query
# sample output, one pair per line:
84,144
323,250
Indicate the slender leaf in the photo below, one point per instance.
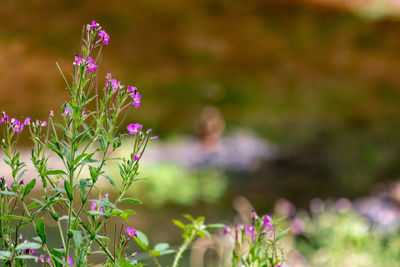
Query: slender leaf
28,188
31,245
40,229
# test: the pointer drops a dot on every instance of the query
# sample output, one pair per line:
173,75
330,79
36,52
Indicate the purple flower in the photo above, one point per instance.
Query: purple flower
16,125
267,222
136,99
48,260
30,251
104,37
250,230
131,232
132,89
91,66
114,85
97,206
134,128
94,205
95,25
78,60
44,124
120,85
4,119
66,112
51,113
155,137
27,121
227,230
135,157
70,261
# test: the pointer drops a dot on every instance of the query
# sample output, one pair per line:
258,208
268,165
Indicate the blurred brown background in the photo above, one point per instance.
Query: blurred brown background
319,79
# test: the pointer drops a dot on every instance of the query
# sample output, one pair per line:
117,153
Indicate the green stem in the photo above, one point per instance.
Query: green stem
182,248
156,261
34,225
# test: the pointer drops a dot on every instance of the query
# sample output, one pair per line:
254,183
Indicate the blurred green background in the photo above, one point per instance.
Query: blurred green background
319,79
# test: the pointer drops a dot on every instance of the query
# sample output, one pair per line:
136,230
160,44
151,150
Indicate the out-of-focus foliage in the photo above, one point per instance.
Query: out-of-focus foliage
332,239
170,183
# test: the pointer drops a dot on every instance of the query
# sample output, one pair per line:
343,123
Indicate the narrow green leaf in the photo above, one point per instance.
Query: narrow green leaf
111,181
55,172
77,235
142,240
215,226
40,229
14,217
96,213
281,234
189,217
31,245
26,257
167,252
5,255
28,188
154,253
161,247
94,173
179,224
82,189
8,193
131,200
54,215
68,189
65,80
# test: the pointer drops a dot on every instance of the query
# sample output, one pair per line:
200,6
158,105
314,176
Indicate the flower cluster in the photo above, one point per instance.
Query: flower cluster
113,83
88,62
134,128
260,237
79,148
131,232
135,96
97,206
17,125
66,112
93,26
70,261
103,36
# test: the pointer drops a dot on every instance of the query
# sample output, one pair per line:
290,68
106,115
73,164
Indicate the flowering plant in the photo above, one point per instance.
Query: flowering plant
83,142
257,244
